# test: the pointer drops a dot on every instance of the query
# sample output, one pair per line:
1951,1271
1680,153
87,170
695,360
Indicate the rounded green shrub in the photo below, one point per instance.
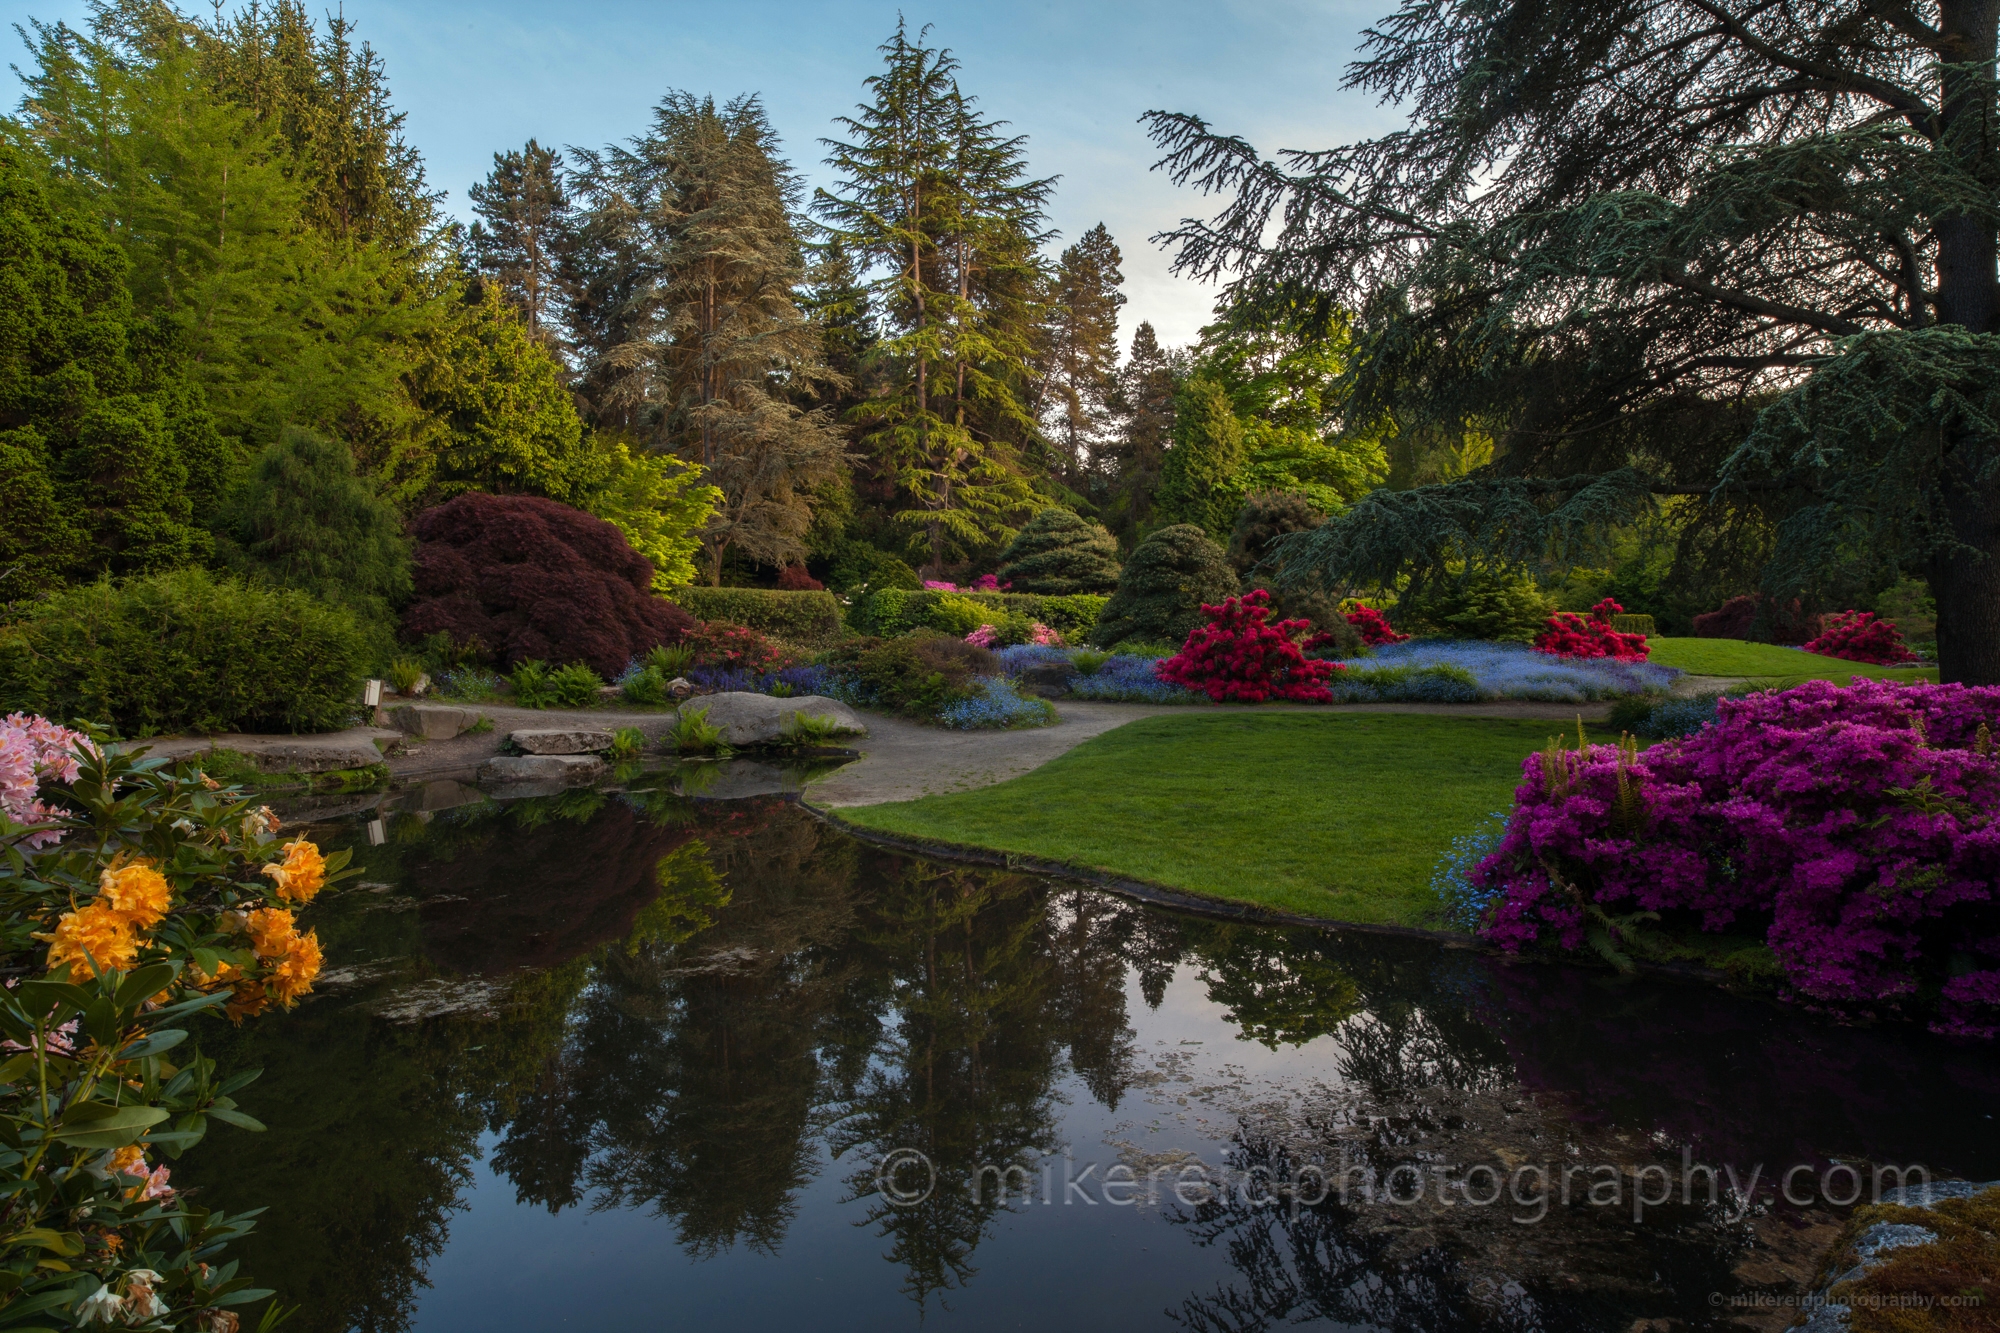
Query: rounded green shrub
184,651
1265,517
1164,586
1058,553
1477,603
857,565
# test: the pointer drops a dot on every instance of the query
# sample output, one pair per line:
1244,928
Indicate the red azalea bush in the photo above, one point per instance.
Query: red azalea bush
1854,828
793,578
1567,634
526,578
1857,636
1237,657
1373,626
719,644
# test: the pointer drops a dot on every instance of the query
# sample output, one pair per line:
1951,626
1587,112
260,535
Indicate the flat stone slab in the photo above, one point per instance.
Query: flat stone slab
568,769
328,752
567,741
759,719
432,722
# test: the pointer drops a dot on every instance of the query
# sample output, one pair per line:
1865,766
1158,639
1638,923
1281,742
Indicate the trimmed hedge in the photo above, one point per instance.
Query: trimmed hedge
894,611
184,651
1634,624
809,619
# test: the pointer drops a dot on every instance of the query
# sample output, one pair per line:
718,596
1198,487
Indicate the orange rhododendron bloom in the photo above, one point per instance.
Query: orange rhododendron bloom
300,874
136,892
98,938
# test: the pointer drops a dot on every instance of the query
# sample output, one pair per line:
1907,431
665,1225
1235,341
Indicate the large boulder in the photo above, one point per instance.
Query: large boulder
432,722
567,769
565,740
759,719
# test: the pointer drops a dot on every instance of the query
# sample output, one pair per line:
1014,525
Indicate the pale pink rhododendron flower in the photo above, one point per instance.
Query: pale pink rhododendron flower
34,750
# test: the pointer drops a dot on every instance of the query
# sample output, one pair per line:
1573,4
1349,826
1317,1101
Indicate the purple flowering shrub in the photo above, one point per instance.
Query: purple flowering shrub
1853,827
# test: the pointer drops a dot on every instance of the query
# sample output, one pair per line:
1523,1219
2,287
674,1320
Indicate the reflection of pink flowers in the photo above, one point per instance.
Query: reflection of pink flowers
34,750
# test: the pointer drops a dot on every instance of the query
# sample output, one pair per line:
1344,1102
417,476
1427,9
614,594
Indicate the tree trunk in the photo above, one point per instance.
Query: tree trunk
1965,583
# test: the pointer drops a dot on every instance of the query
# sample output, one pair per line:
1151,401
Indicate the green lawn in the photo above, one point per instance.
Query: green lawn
1734,657
1338,815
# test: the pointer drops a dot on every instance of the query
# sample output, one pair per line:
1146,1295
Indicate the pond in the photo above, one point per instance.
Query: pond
623,1059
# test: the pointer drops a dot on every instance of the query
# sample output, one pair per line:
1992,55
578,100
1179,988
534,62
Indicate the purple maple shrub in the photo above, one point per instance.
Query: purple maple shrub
1852,827
527,578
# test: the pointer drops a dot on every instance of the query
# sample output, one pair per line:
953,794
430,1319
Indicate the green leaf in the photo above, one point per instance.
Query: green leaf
64,996
236,1118
48,1239
245,1296
238,1081
95,1125
153,1043
144,984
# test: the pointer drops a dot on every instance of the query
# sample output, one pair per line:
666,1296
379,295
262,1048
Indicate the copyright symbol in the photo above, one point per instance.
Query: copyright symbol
1715,1298
897,1164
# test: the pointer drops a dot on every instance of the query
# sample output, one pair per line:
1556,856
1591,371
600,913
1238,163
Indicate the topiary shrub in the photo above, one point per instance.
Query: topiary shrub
1478,603
1058,553
1173,574
184,651
803,617
525,577
1265,517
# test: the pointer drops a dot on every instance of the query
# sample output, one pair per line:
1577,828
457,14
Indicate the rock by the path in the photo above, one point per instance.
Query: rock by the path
1050,680
328,753
567,769
573,740
432,722
759,719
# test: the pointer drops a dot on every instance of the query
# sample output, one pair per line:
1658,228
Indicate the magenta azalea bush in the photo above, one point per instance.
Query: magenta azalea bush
1238,658
1852,827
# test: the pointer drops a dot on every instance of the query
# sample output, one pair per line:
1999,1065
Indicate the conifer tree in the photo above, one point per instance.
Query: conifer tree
523,206
1201,478
933,202
1144,406
698,345
1079,353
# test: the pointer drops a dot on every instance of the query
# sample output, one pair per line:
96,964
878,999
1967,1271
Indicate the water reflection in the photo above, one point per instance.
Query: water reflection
721,1015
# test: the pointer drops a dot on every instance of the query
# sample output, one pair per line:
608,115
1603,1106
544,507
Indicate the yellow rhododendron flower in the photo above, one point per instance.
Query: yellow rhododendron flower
302,872
97,938
294,960
136,892
129,1160
270,928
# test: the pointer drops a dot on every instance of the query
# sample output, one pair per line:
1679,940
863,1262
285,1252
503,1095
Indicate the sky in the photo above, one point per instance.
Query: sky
476,77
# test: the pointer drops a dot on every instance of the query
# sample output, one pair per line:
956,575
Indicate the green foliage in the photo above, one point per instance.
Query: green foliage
646,686
300,518
626,744
571,686
1265,517
670,660
39,542
857,565
1909,603
807,730
1765,661
1201,481
694,734
661,506
807,619
404,673
916,674
894,611
1634,624
1058,553
184,651
1164,585
1477,603
1087,661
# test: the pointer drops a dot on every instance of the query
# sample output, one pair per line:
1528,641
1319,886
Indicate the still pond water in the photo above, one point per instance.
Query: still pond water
612,1060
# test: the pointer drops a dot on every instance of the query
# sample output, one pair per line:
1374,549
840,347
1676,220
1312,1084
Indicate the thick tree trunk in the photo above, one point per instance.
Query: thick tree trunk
1966,583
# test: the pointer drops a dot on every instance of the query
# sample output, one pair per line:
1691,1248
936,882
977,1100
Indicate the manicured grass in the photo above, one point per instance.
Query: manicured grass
1734,657
1340,815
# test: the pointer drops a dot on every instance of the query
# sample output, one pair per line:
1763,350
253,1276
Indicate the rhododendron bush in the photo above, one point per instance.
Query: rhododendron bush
1853,828
1373,626
1239,658
134,900
1568,634
1857,636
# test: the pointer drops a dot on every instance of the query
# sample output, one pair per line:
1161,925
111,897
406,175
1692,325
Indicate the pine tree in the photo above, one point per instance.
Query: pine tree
702,347
523,206
932,200
1079,353
1201,479
1145,406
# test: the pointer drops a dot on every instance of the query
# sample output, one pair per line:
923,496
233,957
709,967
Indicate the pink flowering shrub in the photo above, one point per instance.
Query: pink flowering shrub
1373,626
1237,657
1857,636
1853,827
34,750
1017,631
986,636
935,585
1567,634
984,583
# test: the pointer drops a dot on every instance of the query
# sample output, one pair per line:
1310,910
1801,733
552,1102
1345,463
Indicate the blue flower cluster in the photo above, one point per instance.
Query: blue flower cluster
1506,671
1461,903
1126,679
995,704
1437,684
1679,717
787,682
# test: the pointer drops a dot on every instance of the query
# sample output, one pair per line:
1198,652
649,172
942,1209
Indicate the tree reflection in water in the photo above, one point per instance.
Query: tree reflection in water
711,1000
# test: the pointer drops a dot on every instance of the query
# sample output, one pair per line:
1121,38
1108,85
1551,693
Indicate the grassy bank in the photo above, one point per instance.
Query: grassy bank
1333,815
1734,657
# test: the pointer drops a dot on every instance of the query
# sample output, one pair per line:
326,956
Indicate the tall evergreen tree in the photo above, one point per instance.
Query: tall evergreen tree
523,207
1079,354
1737,251
1201,479
934,203
1144,407
699,345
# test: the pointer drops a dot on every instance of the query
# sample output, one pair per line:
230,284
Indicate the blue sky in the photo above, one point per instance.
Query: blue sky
1074,77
